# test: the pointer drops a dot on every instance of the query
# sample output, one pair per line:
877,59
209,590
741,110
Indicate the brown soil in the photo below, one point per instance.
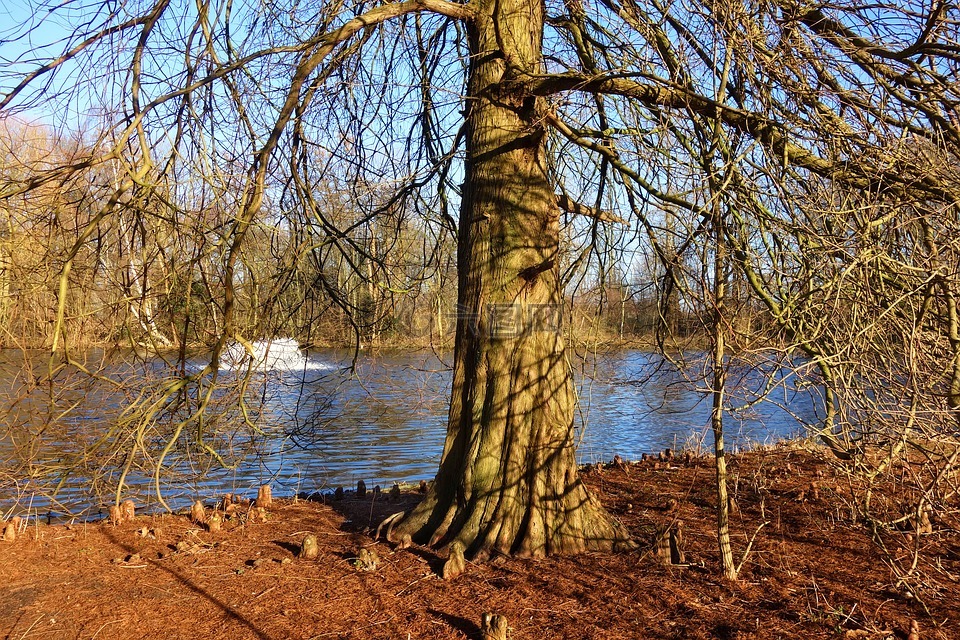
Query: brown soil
811,573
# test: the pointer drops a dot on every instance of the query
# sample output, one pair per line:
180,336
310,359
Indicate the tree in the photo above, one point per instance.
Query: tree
663,113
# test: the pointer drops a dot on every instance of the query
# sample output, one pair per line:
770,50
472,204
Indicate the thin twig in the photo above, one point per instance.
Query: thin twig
750,545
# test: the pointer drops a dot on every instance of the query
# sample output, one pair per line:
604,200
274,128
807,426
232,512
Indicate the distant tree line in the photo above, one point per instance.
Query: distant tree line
150,275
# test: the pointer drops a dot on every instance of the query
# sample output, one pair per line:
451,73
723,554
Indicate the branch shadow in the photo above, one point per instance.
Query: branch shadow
200,591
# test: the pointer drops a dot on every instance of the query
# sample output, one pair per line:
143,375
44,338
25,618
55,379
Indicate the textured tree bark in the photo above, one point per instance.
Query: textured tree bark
718,396
508,481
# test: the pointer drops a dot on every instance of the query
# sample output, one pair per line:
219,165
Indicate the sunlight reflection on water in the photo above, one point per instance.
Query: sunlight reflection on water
385,422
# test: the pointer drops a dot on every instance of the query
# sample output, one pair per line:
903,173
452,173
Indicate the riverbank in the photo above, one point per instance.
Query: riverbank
811,572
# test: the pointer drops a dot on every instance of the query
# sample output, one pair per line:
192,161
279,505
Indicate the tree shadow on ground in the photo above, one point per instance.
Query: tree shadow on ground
197,589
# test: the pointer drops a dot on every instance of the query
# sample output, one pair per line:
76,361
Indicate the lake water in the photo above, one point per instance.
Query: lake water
323,426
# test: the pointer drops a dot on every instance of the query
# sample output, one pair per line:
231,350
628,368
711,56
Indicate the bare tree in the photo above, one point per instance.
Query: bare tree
520,113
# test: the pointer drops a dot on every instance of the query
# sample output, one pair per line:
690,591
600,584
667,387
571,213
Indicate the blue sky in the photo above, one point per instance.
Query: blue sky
31,33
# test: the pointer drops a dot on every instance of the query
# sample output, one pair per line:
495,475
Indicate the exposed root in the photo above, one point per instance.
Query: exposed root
486,528
385,528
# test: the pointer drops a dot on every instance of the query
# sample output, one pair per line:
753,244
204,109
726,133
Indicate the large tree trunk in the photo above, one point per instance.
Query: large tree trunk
507,481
